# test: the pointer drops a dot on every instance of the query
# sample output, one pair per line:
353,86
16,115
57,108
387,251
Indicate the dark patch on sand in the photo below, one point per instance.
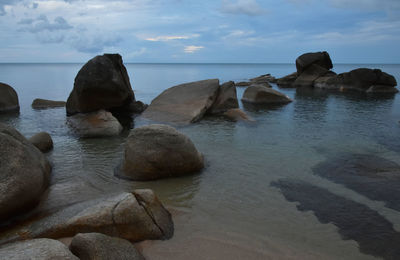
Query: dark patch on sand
374,177
374,234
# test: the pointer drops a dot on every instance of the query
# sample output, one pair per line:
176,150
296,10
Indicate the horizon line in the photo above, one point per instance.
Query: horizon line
203,63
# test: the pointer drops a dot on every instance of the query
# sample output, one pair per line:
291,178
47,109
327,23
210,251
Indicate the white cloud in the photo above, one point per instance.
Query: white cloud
192,48
165,38
246,7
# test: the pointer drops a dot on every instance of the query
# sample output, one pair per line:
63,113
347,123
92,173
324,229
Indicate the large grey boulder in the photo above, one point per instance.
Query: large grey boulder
36,249
226,99
96,246
8,99
24,173
321,59
42,141
263,95
183,104
158,151
39,103
362,79
102,83
96,124
133,216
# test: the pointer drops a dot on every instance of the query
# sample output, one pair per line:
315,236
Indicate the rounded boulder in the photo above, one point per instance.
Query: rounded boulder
8,99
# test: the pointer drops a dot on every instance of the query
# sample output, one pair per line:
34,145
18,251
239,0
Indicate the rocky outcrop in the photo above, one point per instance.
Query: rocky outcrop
310,74
263,95
133,216
287,81
365,80
39,103
24,173
36,249
322,59
237,114
102,83
266,78
42,141
183,104
8,99
226,99
96,246
95,124
158,151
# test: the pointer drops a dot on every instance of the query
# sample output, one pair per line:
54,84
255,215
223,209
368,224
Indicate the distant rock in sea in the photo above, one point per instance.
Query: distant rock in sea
39,103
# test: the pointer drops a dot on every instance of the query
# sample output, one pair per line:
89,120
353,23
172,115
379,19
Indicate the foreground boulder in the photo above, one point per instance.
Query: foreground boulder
102,83
39,103
263,95
42,141
96,246
226,99
183,104
322,59
158,151
35,249
95,124
8,99
365,80
133,216
24,173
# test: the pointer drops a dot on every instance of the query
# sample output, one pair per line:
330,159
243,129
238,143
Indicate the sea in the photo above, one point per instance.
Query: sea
230,210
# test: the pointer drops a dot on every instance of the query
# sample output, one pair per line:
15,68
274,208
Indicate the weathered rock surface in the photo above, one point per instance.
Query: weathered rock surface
39,103
24,173
36,249
263,95
183,104
287,81
243,83
366,80
236,114
133,216
158,151
42,141
8,99
321,59
96,124
102,83
226,99
310,74
96,246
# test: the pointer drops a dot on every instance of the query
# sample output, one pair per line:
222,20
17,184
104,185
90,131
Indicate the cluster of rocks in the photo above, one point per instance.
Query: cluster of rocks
314,70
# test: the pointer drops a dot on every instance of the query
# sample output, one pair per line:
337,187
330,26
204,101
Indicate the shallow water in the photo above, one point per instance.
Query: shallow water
230,209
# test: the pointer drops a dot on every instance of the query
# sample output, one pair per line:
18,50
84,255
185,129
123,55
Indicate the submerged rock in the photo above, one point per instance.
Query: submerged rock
374,177
226,99
96,246
39,103
263,95
374,234
24,173
158,151
96,124
42,141
236,114
36,249
102,83
183,104
8,99
322,59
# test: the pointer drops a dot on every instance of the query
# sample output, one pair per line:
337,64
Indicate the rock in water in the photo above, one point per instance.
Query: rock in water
310,74
96,124
102,83
42,141
92,246
264,95
287,81
321,59
8,99
36,249
39,103
226,99
158,151
237,114
24,173
183,104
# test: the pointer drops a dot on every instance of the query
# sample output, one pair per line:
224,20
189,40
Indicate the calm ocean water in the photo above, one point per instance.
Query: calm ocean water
230,208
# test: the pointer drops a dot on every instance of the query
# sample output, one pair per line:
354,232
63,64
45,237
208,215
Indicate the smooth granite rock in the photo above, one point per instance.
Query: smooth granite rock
321,59
42,141
8,99
310,74
226,99
263,95
287,81
236,114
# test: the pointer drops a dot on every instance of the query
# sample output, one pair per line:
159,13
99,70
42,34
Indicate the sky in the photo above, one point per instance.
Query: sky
200,31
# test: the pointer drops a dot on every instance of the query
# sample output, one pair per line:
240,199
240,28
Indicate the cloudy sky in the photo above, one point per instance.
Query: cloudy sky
255,31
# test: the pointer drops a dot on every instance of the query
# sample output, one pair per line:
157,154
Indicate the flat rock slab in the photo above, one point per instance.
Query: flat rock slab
39,103
183,104
374,177
374,234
